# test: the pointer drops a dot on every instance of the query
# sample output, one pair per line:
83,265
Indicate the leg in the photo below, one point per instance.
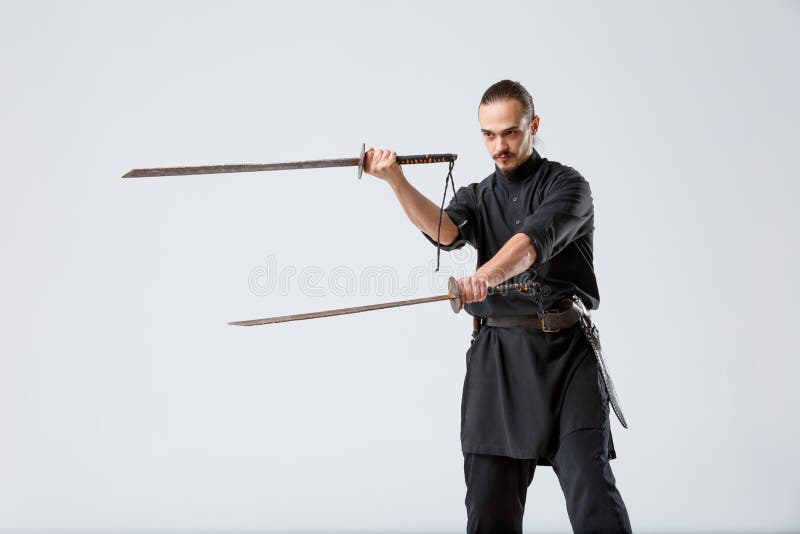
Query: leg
496,490
593,502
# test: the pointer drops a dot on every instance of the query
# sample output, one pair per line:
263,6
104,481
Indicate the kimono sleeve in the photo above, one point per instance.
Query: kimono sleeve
462,210
566,213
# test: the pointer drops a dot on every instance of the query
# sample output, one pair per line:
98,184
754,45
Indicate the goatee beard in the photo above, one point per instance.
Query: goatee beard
509,171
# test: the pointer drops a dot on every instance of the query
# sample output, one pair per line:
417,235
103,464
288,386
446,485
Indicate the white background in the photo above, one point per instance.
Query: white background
127,403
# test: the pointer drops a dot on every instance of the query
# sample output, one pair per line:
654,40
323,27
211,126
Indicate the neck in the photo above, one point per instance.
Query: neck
513,173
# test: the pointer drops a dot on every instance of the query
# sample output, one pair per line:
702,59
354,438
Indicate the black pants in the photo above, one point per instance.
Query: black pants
497,487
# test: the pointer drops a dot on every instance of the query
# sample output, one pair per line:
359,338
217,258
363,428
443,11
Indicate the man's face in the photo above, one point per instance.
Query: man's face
507,133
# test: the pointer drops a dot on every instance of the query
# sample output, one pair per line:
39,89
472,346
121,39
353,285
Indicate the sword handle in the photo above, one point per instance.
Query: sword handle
409,160
502,289
426,158
517,287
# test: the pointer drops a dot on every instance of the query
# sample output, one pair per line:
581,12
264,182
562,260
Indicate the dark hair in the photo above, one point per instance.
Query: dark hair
505,90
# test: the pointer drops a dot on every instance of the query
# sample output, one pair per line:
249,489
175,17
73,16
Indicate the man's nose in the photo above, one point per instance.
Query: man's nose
500,145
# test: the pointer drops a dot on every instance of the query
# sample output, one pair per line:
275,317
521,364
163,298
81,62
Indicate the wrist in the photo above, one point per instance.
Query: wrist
490,276
484,276
396,181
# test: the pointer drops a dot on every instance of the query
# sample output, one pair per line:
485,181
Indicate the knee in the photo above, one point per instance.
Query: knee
488,518
495,501
593,502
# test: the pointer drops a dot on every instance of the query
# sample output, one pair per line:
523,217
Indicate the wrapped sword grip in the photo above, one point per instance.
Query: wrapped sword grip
515,287
426,158
409,160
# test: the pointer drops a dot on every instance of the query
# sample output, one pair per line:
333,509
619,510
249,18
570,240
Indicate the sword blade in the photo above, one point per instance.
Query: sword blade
342,311
453,295
290,165
242,167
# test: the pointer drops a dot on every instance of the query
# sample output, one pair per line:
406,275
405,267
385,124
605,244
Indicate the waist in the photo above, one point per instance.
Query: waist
566,315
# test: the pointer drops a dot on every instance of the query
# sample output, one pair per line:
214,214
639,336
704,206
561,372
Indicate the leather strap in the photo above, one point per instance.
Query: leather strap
476,324
566,316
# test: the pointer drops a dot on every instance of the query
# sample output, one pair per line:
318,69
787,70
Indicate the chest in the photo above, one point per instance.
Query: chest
504,208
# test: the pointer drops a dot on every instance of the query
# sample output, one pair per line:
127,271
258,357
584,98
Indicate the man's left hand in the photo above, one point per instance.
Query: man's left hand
473,288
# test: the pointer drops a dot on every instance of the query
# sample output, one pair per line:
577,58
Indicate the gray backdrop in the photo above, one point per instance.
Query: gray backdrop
127,403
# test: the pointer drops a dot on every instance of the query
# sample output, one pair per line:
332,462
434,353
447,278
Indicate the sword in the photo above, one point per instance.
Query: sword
310,164
453,295
592,335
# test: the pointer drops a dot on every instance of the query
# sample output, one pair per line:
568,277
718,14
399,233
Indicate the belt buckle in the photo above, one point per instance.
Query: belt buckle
544,326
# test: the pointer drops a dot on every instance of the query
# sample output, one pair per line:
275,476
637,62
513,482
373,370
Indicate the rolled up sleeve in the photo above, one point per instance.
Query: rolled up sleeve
462,211
566,213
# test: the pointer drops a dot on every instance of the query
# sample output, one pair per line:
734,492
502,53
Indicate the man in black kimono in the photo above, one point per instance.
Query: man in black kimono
533,393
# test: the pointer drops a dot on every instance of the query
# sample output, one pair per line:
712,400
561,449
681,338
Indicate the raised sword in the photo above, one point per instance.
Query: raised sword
290,165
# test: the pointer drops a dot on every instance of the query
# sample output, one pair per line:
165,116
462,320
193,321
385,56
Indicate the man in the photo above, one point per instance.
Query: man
533,394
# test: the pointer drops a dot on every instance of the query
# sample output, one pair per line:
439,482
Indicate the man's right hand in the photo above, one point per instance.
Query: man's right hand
382,163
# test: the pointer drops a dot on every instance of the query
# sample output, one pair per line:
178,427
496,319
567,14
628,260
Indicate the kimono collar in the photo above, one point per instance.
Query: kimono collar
523,171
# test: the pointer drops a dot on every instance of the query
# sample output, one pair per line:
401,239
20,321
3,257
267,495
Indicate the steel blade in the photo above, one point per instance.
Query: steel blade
242,167
343,311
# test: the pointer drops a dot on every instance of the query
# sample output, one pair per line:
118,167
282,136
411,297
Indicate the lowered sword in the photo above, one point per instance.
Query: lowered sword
453,295
309,164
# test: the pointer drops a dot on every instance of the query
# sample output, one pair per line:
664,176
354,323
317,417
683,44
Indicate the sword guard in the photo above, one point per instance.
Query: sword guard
361,160
455,299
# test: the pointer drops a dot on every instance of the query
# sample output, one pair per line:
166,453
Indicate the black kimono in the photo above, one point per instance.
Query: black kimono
525,389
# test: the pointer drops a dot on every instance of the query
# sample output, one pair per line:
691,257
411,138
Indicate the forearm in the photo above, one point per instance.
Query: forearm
515,257
422,212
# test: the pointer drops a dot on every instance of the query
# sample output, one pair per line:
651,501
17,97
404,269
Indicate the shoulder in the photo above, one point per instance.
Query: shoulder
557,170
477,189
486,183
558,175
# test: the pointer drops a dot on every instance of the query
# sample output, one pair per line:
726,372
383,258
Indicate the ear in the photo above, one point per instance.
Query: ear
535,124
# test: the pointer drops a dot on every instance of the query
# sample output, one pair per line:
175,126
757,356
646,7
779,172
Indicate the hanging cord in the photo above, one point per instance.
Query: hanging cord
448,179
538,297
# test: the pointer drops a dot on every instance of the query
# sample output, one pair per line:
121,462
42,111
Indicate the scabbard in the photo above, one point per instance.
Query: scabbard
593,336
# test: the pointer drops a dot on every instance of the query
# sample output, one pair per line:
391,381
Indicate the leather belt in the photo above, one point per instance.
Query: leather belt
570,312
566,316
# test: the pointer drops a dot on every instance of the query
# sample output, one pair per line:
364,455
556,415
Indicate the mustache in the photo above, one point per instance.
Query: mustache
503,154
